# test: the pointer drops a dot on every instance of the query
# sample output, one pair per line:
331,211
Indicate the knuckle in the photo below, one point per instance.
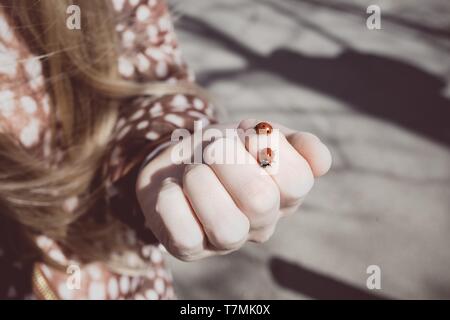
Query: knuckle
190,258
246,123
300,138
306,183
262,236
186,248
225,238
262,201
193,174
301,184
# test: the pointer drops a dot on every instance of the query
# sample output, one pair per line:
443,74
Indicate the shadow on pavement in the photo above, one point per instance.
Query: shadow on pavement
382,87
315,285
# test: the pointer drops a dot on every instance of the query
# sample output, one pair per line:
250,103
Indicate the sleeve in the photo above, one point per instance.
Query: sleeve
24,101
150,52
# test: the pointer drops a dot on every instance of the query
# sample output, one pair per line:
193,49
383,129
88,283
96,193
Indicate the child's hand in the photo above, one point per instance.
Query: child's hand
214,209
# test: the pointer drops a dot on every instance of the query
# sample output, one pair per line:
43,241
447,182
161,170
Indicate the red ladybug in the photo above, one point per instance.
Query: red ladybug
264,128
265,157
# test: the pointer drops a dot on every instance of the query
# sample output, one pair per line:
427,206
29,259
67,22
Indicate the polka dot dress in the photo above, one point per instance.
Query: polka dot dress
149,53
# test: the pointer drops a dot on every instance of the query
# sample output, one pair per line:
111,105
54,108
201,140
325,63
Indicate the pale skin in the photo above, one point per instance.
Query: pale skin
202,210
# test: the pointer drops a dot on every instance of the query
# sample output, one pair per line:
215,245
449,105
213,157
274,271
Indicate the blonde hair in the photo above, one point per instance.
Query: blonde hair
86,91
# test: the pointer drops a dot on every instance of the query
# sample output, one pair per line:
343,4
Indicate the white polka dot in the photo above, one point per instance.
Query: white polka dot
204,122
150,274
133,3
133,260
28,104
115,156
164,24
47,272
123,132
8,63
46,104
142,13
57,255
196,114
120,27
44,242
138,114
180,102
156,110
124,284
113,288
168,38
126,68
151,295
128,38
175,119
121,123
199,104
7,103
146,251
142,125
156,256
171,80
155,54
152,135
135,283
33,68
64,292
36,83
95,272
139,297
143,64
5,30
167,49
152,33
159,286
152,3
47,143
71,204
97,291
29,135
118,4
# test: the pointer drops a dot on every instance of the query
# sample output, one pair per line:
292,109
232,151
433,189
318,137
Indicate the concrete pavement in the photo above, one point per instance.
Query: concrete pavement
379,99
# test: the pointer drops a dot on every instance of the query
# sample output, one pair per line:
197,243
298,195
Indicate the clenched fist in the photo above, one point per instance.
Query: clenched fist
214,207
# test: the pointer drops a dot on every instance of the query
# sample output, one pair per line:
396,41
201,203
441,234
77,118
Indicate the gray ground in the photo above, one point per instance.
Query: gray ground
379,99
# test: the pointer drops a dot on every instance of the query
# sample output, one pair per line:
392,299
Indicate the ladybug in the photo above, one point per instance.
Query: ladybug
263,128
265,157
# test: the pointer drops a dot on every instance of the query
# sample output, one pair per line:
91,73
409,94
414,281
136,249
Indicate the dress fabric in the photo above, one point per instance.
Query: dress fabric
149,53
